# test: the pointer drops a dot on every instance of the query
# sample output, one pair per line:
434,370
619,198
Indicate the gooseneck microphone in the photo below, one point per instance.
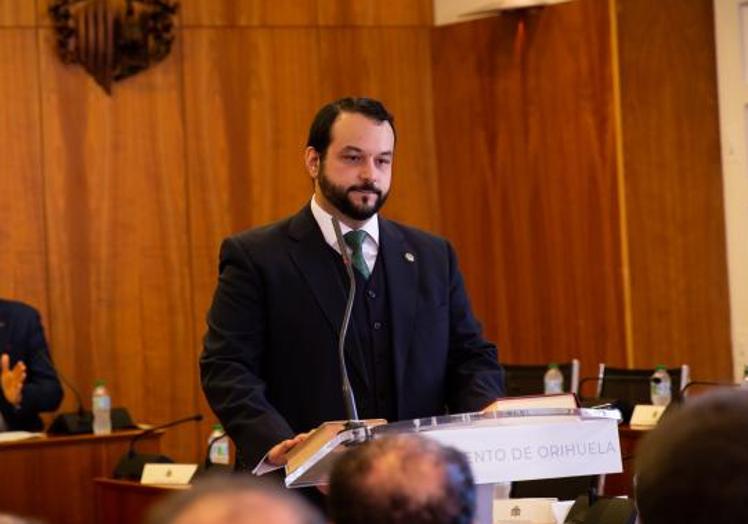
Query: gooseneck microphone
348,396
131,464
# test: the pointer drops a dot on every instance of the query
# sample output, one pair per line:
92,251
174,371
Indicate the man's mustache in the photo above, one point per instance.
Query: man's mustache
366,187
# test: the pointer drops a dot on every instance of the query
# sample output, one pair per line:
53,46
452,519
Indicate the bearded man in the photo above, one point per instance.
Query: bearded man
270,367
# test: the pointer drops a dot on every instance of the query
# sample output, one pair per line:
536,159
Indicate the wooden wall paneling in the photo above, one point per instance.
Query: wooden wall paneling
373,62
674,185
524,127
17,13
118,251
249,12
375,13
22,234
250,95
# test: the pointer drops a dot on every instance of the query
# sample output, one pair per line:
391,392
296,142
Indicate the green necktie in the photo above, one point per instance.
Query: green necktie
355,240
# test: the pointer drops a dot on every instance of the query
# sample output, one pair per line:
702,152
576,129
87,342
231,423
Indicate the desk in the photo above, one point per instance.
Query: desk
127,502
51,478
622,483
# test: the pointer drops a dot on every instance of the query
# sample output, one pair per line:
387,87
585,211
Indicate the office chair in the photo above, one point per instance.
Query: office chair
527,379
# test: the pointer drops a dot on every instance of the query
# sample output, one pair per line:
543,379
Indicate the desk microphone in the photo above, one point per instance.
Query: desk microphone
348,396
624,405
614,378
131,464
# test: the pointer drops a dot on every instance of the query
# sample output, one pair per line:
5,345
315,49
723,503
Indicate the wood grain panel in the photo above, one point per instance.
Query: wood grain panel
52,478
118,253
375,13
23,262
307,13
527,178
370,62
674,186
17,13
250,95
249,12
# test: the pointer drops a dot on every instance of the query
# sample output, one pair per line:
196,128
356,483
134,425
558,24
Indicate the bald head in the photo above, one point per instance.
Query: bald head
402,479
234,500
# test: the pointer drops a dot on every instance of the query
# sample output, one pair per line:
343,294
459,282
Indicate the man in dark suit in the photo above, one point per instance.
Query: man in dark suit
29,382
270,366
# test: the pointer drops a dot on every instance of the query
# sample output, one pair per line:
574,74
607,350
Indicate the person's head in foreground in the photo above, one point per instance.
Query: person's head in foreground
693,467
235,499
402,479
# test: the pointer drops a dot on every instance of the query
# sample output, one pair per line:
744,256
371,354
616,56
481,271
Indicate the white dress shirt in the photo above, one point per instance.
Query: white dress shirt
370,247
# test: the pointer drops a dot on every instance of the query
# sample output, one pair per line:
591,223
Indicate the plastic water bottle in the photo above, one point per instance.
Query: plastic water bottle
553,380
660,391
102,409
219,446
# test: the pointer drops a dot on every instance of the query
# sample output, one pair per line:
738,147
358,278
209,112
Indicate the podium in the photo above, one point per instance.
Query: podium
501,446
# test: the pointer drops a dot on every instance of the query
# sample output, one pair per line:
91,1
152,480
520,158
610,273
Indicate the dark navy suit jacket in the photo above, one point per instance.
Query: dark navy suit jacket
22,338
270,367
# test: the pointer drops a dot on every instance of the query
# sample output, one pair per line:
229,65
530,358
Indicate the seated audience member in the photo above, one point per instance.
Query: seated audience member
693,467
29,381
234,499
404,479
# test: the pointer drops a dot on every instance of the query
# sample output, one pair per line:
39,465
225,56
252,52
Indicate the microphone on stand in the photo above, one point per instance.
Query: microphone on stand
624,405
81,421
349,397
131,464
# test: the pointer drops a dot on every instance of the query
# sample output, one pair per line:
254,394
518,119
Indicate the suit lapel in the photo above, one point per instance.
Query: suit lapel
310,253
402,279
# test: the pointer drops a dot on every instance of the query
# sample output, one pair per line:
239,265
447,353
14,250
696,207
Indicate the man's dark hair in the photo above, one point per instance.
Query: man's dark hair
319,132
223,486
693,467
403,479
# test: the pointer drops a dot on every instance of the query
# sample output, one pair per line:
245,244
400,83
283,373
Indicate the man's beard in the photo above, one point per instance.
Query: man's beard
338,197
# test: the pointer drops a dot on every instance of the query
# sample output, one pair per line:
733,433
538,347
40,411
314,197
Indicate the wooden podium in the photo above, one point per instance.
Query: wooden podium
52,477
127,501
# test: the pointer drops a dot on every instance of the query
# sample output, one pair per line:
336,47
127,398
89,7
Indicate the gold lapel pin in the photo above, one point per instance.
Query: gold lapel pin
410,257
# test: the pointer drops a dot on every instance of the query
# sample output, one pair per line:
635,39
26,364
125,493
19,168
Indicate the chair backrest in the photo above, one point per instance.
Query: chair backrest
527,379
632,385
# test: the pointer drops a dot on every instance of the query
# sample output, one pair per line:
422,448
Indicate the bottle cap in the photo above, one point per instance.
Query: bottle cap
99,382
552,365
217,427
659,367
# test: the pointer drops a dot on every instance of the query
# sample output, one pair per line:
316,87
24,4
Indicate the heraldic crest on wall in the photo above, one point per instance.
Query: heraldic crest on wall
113,39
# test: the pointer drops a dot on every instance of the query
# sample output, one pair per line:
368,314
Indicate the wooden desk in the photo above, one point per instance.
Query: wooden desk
51,478
125,501
622,483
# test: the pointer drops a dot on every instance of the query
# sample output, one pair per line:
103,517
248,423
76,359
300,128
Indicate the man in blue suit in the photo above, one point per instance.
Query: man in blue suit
29,381
270,367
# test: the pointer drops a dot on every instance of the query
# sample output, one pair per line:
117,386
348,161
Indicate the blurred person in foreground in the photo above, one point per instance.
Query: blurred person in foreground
235,499
693,467
405,479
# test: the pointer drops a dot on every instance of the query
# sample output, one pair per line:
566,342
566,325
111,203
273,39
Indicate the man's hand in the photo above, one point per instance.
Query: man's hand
278,454
12,379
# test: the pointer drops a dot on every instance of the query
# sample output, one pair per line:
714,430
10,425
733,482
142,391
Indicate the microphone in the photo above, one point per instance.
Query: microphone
348,396
707,383
81,421
626,404
131,464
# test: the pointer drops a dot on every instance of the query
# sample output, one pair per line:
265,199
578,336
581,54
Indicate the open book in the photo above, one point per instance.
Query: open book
558,400
321,442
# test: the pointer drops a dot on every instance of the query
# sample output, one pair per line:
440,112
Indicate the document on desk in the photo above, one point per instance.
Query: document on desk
15,436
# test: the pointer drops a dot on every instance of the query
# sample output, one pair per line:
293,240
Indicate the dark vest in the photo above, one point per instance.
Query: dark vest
370,333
